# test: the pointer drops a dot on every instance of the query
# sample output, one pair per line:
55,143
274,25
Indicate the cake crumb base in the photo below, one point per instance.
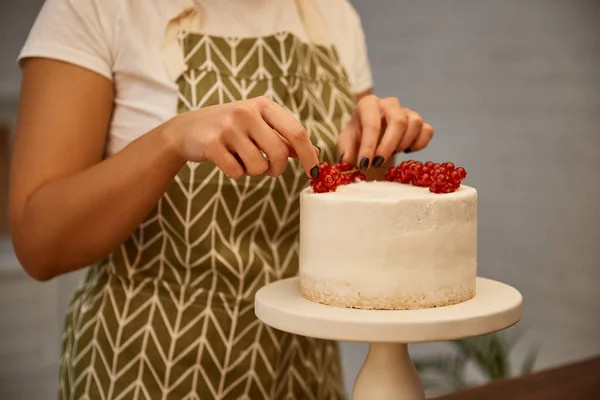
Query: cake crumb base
314,291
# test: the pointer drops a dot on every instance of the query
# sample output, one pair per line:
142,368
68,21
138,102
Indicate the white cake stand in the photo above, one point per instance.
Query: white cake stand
388,372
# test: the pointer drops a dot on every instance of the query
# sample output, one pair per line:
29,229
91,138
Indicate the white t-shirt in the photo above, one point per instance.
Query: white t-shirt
122,40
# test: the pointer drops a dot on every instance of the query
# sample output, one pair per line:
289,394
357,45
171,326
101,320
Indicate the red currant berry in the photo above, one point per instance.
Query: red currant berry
328,180
346,179
390,176
406,177
455,177
448,165
440,179
448,188
344,166
423,180
461,172
318,186
416,169
438,171
358,176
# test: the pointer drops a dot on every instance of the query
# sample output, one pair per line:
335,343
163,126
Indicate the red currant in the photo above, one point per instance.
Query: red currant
318,186
423,180
358,176
455,177
434,188
448,165
390,176
416,169
440,179
405,177
329,178
344,166
438,171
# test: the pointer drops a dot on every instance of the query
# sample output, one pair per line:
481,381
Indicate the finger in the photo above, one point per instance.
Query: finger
292,151
423,138
396,121
369,113
288,127
271,143
253,160
413,129
348,142
226,162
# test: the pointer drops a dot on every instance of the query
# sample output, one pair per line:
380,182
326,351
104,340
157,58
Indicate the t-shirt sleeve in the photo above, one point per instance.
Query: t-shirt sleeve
79,32
358,64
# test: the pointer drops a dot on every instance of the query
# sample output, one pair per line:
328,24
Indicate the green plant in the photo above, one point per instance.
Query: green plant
489,355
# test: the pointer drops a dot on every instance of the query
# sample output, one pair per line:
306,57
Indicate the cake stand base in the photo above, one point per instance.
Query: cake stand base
388,372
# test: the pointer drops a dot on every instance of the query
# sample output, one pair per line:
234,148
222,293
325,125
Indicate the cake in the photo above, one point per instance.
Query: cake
409,242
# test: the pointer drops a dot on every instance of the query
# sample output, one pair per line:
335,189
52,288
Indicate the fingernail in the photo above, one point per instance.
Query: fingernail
318,148
407,150
341,158
314,172
364,164
377,161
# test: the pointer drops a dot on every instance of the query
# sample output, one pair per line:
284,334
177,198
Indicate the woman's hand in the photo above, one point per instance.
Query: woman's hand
378,129
234,136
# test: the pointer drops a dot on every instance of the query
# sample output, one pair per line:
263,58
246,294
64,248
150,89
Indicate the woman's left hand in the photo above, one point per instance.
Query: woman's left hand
380,128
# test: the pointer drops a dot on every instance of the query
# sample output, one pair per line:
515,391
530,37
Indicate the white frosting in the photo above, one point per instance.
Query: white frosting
388,245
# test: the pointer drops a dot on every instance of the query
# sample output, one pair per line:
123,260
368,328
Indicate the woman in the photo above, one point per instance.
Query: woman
165,142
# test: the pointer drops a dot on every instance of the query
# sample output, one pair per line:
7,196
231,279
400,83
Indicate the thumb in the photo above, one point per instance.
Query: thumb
348,143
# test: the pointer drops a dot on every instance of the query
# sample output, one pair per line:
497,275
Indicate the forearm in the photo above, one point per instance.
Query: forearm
76,220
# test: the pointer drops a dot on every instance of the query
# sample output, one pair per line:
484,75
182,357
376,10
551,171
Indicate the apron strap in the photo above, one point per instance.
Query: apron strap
188,18
312,21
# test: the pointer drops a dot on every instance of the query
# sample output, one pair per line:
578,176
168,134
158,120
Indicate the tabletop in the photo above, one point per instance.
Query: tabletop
576,381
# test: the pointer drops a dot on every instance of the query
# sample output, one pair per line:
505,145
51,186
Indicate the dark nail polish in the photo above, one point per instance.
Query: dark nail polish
364,164
378,161
407,151
341,158
314,172
318,148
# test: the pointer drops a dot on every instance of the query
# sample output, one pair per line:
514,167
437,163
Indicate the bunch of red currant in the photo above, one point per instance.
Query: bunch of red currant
440,178
333,175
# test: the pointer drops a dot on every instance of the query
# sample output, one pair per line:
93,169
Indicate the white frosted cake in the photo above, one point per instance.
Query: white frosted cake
388,245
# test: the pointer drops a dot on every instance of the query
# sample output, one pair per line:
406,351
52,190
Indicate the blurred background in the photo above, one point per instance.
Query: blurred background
513,90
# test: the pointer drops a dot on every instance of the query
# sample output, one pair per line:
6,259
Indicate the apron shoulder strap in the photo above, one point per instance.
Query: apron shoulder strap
312,21
186,18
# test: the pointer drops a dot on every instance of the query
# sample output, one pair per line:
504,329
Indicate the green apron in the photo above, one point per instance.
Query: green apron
169,314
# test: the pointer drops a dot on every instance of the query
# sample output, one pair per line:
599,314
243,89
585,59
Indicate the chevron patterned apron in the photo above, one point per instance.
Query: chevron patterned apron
169,314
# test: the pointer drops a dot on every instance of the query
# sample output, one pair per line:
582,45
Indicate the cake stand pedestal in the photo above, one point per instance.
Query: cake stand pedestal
388,372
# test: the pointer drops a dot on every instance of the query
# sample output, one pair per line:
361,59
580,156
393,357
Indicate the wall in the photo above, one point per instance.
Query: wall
512,89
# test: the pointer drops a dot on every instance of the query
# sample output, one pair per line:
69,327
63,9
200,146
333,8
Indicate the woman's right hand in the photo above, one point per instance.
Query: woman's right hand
233,135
